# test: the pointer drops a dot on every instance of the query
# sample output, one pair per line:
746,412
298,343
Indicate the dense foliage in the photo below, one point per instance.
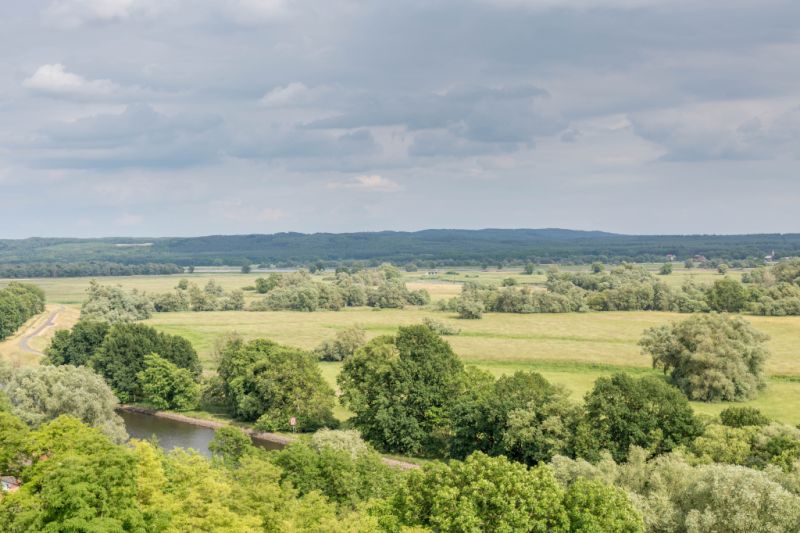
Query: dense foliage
497,495
18,303
622,411
265,382
382,288
42,393
710,357
190,297
106,303
674,495
521,416
77,345
167,386
86,269
401,389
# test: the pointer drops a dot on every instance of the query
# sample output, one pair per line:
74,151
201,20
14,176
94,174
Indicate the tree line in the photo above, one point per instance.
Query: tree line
86,269
445,247
764,291
18,303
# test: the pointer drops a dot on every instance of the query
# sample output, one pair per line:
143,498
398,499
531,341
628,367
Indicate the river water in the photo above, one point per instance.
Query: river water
174,434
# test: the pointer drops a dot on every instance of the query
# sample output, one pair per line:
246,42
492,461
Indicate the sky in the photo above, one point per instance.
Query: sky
196,117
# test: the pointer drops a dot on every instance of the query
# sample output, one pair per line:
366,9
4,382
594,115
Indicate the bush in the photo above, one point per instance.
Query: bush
343,345
469,308
440,328
737,417
710,357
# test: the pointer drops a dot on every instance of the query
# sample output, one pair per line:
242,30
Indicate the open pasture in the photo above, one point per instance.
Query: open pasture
569,349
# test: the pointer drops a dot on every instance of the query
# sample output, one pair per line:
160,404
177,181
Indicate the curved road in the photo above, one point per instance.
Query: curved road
24,341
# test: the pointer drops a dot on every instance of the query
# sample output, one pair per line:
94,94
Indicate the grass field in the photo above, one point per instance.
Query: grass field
569,349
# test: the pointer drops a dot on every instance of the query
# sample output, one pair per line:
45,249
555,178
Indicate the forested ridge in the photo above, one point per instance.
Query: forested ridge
445,246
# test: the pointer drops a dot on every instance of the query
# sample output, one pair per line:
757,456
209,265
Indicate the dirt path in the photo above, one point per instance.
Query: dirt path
24,342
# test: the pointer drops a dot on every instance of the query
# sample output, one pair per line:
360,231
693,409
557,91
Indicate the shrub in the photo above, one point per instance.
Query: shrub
113,305
737,417
440,328
343,345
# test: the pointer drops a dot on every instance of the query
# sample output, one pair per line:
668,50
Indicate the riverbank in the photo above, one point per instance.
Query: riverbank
275,439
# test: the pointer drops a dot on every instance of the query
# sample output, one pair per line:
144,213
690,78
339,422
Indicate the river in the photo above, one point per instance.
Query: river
175,434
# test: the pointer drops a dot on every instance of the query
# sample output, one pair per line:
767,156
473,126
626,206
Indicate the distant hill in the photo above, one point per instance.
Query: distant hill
446,246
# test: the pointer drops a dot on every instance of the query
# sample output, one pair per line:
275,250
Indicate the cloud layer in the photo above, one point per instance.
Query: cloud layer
209,116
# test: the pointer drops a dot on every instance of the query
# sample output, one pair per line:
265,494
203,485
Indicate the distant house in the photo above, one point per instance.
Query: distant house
770,257
671,258
699,259
433,272
9,484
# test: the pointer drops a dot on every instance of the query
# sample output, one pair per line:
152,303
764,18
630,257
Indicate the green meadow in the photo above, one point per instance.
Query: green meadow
570,349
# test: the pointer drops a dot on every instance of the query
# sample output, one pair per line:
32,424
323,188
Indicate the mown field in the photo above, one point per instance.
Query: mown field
570,349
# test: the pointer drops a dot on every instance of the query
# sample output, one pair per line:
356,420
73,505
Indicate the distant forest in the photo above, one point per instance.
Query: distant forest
424,248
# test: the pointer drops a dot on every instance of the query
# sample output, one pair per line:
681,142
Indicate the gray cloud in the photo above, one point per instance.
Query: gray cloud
519,112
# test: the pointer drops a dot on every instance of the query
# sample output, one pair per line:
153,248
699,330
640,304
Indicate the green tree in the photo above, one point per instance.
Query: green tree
269,383
521,416
167,386
666,269
86,483
622,411
39,394
481,494
111,304
710,357
401,390
594,506
727,295
737,417
529,269
13,437
509,282
723,269
230,444
76,346
344,478
121,357
246,267
469,307
597,267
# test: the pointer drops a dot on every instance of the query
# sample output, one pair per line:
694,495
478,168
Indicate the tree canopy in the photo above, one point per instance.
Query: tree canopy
710,357
401,390
269,383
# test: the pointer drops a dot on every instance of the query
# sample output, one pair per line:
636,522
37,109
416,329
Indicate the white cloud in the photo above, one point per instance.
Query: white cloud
252,12
55,79
367,182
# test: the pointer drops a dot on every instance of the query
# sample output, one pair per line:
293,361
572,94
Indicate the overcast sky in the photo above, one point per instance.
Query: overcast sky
192,117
